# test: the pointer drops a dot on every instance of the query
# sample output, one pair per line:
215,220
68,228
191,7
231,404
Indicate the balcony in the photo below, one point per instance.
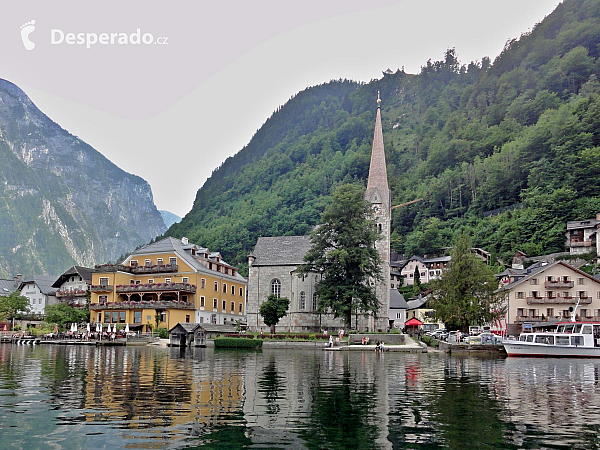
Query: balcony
101,288
74,293
171,304
557,284
156,287
160,268
558,300
581,244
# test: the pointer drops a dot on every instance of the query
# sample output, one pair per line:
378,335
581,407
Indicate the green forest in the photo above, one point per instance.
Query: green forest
506,151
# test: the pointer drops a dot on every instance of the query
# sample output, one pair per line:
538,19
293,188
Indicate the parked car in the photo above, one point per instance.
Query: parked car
489,338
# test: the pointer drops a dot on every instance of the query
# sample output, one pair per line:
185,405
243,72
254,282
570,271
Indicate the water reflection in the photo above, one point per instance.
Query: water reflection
87,397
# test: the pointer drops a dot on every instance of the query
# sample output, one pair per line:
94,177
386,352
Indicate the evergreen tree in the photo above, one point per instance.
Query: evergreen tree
274,309
465,293
417,279
344,254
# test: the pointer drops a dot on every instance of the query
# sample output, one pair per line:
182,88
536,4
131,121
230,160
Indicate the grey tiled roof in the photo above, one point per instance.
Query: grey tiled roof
84,272
189,327
216,328
397,300
44,282
8,286
281,251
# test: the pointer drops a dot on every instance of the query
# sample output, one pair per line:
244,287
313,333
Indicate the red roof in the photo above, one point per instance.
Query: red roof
414,322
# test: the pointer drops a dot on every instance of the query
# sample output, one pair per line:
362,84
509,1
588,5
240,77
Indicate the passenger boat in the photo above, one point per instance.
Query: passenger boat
570,339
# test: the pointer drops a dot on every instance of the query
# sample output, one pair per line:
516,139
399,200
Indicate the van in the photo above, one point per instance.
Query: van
474,330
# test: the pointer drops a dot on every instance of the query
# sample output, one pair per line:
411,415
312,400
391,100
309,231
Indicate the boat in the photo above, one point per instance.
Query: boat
570,339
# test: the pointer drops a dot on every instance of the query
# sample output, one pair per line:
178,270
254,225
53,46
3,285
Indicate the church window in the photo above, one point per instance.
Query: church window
314,302
276,287
302,300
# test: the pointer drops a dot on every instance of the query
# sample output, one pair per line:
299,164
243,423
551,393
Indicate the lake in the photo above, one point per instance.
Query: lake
73,397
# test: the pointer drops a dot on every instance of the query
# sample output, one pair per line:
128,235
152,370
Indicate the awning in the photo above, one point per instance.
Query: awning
414,322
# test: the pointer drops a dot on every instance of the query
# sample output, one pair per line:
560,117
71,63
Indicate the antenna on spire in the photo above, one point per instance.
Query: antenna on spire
378,100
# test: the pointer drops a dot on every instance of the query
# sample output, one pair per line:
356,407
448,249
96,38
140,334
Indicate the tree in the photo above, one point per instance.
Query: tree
417,278
274,309
465,292
62,314
13,304
343,253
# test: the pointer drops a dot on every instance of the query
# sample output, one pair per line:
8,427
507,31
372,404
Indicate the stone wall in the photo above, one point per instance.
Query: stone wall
391,339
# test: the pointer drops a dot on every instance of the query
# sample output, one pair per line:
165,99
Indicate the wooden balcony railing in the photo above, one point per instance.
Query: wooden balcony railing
558,300
101,288
558,284
174,304
156,287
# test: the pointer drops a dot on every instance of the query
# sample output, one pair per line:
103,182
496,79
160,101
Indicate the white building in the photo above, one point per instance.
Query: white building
39,292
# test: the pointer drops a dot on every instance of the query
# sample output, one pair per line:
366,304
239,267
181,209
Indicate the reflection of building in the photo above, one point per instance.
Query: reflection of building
73,286
170,280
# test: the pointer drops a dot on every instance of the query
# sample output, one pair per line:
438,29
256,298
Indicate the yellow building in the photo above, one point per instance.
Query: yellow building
171,280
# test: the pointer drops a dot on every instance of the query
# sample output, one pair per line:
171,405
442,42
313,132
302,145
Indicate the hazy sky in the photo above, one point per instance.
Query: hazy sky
171,111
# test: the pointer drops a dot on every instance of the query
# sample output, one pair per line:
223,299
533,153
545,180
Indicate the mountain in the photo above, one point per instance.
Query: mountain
61,202
169,218
506,151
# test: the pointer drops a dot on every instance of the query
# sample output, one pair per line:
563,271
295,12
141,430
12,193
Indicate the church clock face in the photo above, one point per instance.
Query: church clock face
377,208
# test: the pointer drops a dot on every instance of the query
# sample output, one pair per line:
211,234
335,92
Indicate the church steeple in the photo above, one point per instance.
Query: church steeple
377,185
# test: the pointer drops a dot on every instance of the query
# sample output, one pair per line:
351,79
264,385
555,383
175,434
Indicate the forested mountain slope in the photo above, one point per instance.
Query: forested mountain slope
61,202
519,136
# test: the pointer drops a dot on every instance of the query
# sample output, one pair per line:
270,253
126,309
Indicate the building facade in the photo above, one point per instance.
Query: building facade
168,282
583,235
429,269
73,286
546,294
40,293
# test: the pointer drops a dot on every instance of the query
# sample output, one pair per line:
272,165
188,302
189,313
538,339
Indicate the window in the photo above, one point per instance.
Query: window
103,281
585,312
549,312
224,309
184,298
520,295
173,261
201,319
187,318
216,286
167,280
232,307
150,280
224,288
115,316
214,303
131,281
159,261
133,263
242,292
137,281
102,299
137,317
185,280
521,312
232,289
314,302
202,283
163,316
398,315
147,263
533,281
202,299
580,281
213,318
582,294
276,288
302,300
121,316
241,308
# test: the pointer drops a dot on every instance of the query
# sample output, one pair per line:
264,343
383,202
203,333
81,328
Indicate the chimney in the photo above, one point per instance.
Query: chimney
184,240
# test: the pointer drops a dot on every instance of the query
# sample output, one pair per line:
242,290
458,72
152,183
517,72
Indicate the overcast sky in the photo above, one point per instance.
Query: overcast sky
173,110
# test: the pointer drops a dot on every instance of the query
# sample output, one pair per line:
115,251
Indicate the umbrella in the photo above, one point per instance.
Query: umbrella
88,328
126,328
99,327
109,330
73,328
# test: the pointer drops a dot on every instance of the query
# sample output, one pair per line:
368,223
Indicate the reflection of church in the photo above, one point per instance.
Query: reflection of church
274,260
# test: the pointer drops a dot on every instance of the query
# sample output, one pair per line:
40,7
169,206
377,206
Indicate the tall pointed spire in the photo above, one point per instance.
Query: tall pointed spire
377,185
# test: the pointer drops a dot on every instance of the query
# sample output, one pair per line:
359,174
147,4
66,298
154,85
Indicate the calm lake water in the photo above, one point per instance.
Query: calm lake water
71,397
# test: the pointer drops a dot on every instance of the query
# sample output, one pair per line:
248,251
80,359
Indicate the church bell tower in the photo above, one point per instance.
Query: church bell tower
378,194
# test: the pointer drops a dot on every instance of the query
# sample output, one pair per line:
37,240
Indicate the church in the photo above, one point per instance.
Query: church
272,264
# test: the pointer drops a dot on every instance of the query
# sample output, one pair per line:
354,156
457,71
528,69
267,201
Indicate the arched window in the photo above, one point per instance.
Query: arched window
302,300
276,287
314,302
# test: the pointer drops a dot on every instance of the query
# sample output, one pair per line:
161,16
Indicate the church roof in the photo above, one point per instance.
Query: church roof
397,300
281,250
377,185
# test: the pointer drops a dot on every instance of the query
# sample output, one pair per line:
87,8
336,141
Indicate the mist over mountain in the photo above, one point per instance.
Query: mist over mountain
63,203
506,150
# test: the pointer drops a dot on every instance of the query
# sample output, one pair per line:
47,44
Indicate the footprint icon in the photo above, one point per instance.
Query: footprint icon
26,30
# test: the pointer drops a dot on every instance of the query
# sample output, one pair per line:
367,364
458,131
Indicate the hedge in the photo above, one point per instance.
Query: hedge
230,342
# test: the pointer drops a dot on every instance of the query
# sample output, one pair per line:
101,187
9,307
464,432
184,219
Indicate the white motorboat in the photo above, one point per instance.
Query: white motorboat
570,339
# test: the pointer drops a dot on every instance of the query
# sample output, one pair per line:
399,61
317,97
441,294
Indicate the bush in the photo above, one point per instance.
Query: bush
163,333
430,341
235,342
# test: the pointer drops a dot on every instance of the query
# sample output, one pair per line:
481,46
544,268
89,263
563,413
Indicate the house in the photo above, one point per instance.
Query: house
418,309
428,268
182,334
73,286
169,281
39,292
546,293
272,263
583,236
398,307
